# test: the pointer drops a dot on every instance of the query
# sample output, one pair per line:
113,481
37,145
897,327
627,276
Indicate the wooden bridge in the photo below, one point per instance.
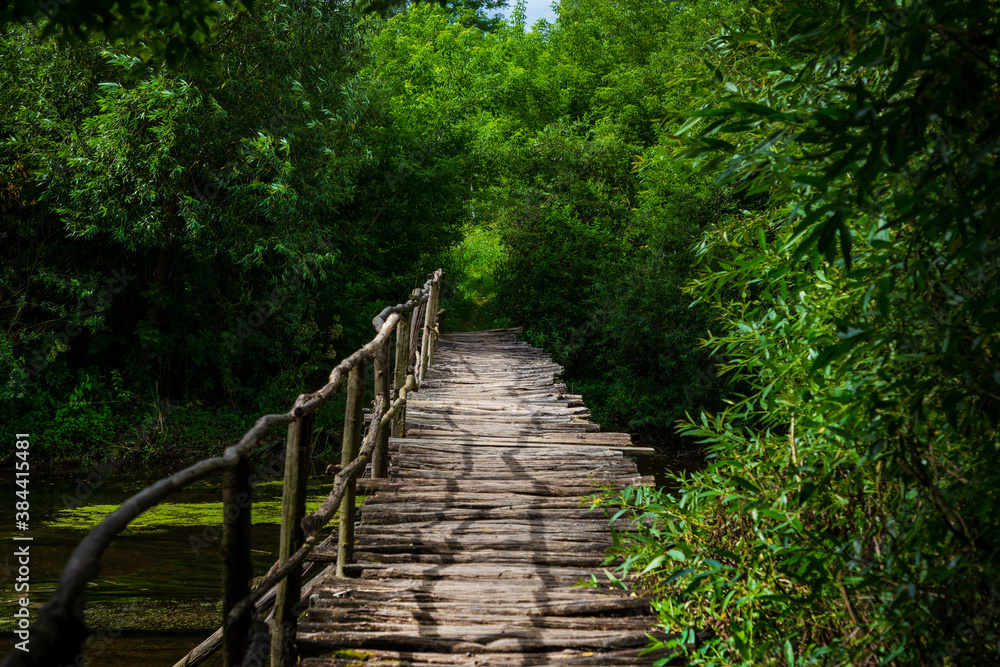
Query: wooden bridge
469,549
469,552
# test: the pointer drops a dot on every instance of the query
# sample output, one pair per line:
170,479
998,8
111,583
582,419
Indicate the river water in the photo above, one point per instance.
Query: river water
158,591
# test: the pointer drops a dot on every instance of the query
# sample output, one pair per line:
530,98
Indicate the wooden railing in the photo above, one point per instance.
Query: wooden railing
57,635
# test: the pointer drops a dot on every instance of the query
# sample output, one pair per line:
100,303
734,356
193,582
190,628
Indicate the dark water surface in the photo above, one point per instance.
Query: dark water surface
157,595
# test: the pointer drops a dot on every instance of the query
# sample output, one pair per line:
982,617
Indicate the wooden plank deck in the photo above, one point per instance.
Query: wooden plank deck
467,554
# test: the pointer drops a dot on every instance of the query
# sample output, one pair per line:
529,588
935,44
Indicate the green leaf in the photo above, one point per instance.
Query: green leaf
845,242
807,491
746,484
653,564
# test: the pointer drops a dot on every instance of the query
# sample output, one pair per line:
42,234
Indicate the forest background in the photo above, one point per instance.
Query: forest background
767,229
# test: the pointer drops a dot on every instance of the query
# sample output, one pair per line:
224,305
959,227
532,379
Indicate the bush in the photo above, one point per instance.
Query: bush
848,514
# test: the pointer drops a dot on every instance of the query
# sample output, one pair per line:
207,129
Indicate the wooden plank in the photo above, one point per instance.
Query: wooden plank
509,413
534,437
388,542
391,515
469,501
523,591
498,403
565,538
488,455
467,638
515,463
493,556
438,428
540,529
498,498
548,487
381,618
595,474
563,658
618,607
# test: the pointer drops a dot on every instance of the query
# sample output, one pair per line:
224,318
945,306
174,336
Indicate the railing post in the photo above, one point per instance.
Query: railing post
413,359
380,457
354,419
293,508
401,371
237,565
433,305
425,340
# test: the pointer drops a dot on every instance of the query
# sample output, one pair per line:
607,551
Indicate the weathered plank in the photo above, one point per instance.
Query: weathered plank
500,637
564,658
546,487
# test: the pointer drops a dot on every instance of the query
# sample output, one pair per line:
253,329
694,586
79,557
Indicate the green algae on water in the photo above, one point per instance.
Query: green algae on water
154,615
169,515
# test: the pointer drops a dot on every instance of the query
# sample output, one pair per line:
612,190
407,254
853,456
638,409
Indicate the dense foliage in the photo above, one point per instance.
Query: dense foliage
596,255
849,511
775,223
173,239
167,29
250,215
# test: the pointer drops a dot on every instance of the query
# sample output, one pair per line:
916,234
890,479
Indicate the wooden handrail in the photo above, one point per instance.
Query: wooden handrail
57,635
327,510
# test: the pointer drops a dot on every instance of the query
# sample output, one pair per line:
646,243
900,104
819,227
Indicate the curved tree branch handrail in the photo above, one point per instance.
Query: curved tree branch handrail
314,522
60,627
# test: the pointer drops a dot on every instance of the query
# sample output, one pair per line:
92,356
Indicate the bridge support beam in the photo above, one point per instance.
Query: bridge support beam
415,327
401,370
354,420
426,341
237,565
380,459
432,303
293,508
